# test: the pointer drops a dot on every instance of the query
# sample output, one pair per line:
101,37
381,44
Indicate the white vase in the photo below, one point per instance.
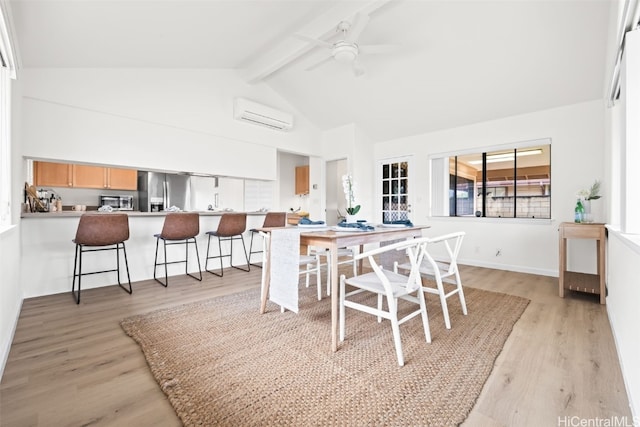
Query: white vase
350,218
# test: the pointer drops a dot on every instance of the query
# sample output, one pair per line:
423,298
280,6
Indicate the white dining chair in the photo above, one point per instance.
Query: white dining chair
442,269
389,285
345,256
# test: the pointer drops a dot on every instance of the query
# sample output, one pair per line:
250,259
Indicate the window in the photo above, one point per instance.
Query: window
7,72
500,182
5,148
395,189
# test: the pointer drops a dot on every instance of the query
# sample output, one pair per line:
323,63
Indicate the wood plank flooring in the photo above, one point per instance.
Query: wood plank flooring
74,366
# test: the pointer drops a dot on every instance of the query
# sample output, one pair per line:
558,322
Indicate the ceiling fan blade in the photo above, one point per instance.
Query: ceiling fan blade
357,26
317,42
372,49
316,60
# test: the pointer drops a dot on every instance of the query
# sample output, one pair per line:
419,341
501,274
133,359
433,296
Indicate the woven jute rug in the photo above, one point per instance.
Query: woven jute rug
220,362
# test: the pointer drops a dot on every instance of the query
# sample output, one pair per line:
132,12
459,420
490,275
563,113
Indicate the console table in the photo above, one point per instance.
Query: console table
583,282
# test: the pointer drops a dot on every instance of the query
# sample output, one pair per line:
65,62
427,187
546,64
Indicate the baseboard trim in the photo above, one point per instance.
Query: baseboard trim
508,267
6,346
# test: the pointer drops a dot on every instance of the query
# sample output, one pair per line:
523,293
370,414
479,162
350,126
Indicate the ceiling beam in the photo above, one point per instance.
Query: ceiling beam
291,48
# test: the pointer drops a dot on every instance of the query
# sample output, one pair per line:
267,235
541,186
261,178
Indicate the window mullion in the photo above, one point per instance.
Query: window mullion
484,185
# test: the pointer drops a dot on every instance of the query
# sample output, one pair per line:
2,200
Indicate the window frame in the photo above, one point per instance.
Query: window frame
7,74
483,151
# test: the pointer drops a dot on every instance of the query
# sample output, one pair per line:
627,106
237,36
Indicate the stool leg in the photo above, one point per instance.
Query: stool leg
186,257
244,249
118,263
206,264
126,264
73,285
197,257
166,271
251,251
220,252
155,266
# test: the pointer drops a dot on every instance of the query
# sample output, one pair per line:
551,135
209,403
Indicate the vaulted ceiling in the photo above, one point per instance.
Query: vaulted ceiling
453,62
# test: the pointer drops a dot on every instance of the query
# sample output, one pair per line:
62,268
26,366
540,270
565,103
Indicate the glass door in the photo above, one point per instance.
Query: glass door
395,185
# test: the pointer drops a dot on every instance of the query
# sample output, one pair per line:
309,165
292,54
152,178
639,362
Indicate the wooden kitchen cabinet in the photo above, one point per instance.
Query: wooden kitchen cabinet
302,180
49,174
122,179
52,174
89,176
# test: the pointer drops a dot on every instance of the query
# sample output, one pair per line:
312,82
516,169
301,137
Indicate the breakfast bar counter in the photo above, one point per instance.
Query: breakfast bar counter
48,250
72,213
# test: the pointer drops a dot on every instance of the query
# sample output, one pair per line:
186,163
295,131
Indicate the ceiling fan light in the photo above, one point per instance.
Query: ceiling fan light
345,53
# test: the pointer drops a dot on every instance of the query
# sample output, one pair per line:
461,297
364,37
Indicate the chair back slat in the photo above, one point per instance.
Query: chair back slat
232,224
452,243
102,229
181,226
275,219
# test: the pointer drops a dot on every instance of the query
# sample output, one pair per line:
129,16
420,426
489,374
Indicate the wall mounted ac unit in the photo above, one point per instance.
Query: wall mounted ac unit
259,114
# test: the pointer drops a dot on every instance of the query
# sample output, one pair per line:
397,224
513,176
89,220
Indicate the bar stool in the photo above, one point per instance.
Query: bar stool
102,232
179,228
230,228
272,219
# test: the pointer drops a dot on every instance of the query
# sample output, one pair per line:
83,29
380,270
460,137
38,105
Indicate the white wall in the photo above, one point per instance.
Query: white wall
179,120
577,134
622,308
351,143
11,292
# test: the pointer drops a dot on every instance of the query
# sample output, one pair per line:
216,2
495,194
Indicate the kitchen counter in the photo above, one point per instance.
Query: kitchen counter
48,250
75,214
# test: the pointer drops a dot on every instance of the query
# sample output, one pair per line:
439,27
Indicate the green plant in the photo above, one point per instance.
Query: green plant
594,191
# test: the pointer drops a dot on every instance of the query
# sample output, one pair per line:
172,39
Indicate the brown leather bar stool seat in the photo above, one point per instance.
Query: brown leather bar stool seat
272,219
179,228
230,228
100,232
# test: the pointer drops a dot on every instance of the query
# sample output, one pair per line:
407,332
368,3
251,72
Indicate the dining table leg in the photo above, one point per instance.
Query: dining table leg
333,250
266,277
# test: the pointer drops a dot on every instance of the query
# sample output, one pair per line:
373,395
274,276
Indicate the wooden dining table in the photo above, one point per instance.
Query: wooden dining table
332,240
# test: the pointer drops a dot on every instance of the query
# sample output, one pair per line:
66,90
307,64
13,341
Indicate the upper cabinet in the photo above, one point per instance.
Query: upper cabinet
122,179
81,176
52,174
302,180
89,176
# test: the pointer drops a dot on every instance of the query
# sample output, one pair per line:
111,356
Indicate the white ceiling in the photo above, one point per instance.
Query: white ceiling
457,63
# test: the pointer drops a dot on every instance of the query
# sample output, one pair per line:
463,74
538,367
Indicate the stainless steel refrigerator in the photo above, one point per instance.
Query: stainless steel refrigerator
159,191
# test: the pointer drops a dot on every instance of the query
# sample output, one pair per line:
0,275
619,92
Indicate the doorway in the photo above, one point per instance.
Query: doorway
336,202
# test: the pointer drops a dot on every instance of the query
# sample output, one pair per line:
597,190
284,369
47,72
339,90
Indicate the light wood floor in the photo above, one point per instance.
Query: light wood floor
73,365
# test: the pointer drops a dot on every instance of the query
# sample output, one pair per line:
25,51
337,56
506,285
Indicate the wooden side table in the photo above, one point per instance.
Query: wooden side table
583,282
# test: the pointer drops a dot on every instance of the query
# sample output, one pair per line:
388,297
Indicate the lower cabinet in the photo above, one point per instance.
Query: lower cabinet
49,174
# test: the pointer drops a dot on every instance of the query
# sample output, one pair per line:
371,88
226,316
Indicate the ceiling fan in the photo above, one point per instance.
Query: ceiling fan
346,50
